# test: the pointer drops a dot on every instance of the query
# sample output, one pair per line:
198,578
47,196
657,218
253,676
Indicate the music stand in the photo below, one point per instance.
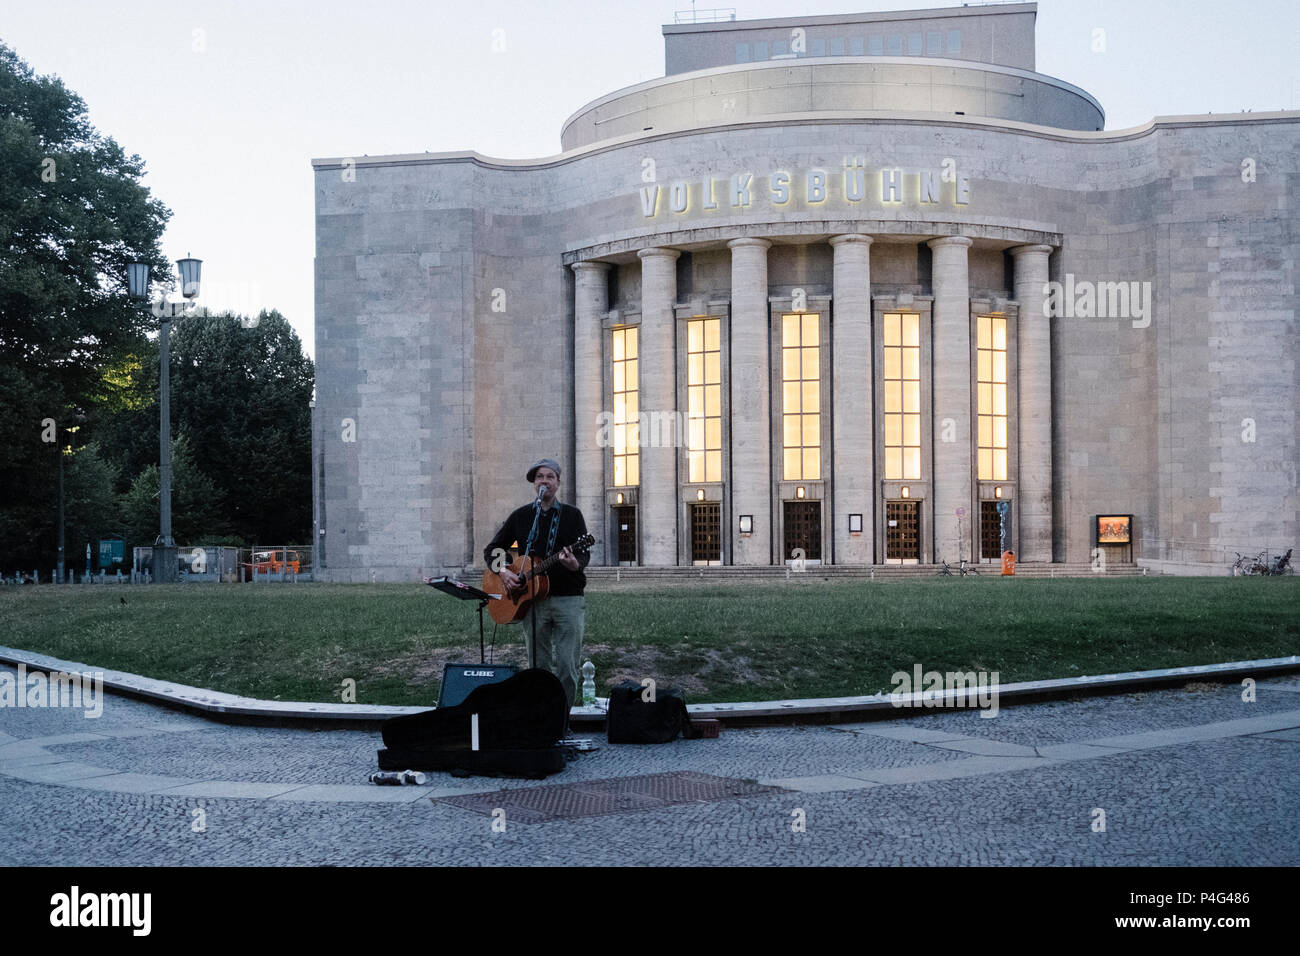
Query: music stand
466,592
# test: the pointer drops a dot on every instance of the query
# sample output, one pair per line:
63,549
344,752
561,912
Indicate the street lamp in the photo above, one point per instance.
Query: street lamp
137,276
69,428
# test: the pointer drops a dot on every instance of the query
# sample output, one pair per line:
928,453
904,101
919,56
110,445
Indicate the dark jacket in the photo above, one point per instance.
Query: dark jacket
514,534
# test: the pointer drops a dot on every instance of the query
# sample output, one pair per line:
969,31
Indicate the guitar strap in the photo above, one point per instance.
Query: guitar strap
555,530
551,536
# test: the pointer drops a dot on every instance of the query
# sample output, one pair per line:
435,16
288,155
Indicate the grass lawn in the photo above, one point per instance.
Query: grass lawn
744,641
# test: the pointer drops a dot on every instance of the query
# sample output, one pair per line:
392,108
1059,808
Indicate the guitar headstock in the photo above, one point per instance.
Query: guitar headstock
584,543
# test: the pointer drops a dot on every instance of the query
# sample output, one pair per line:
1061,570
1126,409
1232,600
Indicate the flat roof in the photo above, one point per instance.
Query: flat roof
930,13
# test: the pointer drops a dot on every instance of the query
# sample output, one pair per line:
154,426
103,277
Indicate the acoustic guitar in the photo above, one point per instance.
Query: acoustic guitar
534,587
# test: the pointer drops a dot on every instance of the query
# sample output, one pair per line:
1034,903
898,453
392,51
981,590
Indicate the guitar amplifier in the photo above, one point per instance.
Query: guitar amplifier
459,679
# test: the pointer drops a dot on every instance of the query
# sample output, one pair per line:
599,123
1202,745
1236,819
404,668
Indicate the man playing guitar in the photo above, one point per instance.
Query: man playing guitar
541,529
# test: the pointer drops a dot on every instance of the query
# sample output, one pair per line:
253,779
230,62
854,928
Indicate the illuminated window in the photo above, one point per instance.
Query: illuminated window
991,396
704,399
801,397
627,458
902,341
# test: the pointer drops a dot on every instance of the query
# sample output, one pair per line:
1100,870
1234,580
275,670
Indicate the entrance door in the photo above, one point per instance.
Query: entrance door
706,533
903,532
990,531
803,530
995,529
625,522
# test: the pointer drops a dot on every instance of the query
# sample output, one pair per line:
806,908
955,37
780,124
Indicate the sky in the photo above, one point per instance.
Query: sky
228,101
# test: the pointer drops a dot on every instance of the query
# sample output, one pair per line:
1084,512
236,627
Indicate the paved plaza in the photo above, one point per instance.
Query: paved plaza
1187,776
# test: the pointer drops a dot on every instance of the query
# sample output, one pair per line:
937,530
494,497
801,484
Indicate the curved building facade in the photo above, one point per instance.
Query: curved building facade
802,300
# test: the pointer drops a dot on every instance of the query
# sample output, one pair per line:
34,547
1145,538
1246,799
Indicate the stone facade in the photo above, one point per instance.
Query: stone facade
465,308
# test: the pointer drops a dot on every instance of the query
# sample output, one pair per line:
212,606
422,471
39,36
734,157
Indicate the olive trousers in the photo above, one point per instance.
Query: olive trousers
560,622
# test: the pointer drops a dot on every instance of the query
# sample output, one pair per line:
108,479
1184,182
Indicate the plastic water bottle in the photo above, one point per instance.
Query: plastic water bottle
588,684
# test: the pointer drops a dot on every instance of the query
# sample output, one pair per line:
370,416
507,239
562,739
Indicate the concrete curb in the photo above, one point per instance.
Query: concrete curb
231,708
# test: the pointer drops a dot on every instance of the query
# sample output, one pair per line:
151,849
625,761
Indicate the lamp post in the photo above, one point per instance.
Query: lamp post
164,550
61,574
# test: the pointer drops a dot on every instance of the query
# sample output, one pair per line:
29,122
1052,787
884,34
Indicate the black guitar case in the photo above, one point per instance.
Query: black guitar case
520,721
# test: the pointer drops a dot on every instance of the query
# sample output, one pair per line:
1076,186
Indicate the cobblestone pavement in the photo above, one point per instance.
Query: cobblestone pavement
1189,776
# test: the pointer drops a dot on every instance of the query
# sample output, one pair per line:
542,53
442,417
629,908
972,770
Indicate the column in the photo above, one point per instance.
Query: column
1033,504
588,485
656,370
751,419
851,384
951,361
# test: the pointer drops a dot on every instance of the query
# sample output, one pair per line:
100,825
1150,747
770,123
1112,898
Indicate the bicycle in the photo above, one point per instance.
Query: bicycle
1245,564
1261,565
963,569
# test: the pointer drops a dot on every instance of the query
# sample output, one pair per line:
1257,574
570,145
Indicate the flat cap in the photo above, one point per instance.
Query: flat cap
550,463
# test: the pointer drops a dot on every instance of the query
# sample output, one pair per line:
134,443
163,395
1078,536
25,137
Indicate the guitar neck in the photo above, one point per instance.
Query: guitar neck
545,565
548,563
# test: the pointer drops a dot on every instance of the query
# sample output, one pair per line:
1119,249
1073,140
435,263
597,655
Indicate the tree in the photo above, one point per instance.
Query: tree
241,391
90,503
73,213
196,514
126,414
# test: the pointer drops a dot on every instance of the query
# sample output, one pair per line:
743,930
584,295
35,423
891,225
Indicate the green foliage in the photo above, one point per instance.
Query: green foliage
125,422
90,503
195,501
73,213
242,397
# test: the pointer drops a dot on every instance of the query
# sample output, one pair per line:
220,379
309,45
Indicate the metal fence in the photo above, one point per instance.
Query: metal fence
217,563
281,562
198,563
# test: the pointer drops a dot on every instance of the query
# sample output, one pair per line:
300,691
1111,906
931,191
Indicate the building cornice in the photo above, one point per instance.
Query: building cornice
819,119
625,247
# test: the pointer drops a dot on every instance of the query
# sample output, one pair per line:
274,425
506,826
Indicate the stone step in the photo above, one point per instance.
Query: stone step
608,575
601,576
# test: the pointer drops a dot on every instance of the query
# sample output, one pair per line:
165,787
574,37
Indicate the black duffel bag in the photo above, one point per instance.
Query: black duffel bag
634,719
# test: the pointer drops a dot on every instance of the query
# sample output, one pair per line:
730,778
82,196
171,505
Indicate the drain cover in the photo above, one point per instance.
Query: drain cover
594,798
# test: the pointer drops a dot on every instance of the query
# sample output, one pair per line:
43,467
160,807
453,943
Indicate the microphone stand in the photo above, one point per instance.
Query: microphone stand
532,585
